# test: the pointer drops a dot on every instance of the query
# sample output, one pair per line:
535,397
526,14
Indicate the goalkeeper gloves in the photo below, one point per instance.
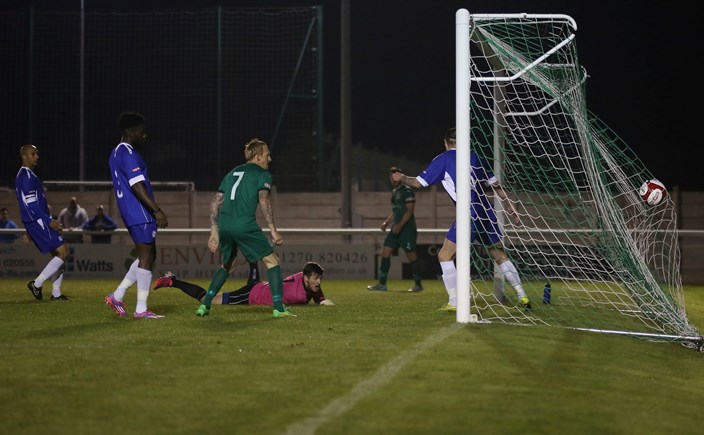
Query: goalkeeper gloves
326,302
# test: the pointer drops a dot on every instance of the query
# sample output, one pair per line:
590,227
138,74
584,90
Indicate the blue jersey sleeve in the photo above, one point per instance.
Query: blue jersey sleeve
128,168
30,197
133,167
441,168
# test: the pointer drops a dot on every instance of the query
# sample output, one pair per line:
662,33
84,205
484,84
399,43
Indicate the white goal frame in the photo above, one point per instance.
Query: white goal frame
463,81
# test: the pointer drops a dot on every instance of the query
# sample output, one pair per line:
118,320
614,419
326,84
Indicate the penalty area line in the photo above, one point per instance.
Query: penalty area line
370,385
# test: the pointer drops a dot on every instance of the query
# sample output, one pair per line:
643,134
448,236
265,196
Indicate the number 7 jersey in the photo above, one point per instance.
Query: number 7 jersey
241,187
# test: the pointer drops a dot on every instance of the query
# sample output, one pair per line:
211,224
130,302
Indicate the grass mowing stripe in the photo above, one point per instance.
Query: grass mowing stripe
382,376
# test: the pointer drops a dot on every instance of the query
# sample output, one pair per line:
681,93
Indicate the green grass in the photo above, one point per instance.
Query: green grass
375,363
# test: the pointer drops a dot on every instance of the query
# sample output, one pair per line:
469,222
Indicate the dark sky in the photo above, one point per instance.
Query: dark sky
641,57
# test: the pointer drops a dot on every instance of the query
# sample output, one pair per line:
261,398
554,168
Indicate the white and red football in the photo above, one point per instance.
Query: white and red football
653,192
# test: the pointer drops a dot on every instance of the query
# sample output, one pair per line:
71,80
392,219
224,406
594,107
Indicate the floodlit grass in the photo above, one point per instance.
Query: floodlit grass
375,363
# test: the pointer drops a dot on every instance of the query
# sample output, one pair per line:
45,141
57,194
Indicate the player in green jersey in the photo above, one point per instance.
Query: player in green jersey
403,234
233,225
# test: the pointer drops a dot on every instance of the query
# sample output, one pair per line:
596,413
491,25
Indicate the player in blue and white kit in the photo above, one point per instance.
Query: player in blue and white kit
484,225
41,229
140,214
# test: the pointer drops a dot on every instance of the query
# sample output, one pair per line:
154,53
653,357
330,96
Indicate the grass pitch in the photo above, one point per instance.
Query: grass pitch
375,363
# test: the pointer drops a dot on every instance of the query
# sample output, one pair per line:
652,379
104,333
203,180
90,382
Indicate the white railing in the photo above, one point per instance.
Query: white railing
187,186
322,231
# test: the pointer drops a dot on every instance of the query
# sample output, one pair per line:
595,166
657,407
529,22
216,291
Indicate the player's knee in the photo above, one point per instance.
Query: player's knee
270,261
445,255
146,262
498,254
63,252
442,259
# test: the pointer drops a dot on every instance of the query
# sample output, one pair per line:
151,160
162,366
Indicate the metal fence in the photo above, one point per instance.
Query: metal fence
207,81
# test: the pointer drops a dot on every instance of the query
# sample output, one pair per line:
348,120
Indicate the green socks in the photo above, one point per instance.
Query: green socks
384,270
216,284
276,286
417,276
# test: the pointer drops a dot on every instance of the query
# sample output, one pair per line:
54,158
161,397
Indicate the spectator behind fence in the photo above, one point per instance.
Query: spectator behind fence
101,222
7,223
72,218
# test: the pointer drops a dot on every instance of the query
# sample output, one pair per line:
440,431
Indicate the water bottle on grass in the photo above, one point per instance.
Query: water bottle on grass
547,294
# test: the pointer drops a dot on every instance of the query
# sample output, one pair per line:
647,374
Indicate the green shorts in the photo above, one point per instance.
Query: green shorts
405,240
253,244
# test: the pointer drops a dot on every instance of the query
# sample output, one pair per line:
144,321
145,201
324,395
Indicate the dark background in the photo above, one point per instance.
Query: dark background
641,57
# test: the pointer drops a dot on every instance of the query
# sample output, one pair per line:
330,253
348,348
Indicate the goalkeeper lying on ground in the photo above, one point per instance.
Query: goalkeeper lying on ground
299,288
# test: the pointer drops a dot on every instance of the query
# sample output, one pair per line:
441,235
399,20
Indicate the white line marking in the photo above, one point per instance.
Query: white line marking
387,372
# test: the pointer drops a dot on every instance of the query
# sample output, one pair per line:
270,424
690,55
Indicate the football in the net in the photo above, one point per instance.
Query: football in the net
653,192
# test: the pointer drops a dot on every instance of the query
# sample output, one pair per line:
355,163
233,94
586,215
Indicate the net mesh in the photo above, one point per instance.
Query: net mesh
612,260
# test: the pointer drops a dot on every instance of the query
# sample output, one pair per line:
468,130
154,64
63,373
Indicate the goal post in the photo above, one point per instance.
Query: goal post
462,136
612,261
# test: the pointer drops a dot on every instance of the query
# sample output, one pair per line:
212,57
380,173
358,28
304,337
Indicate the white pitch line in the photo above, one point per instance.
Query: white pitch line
387,372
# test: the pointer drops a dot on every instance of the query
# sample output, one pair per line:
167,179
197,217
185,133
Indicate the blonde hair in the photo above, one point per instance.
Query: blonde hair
254,148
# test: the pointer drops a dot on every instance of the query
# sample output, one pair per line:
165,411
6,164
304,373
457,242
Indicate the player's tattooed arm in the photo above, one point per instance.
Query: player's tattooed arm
265,207
215,205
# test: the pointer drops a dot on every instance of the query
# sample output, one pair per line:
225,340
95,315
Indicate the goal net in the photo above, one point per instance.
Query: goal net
612,260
